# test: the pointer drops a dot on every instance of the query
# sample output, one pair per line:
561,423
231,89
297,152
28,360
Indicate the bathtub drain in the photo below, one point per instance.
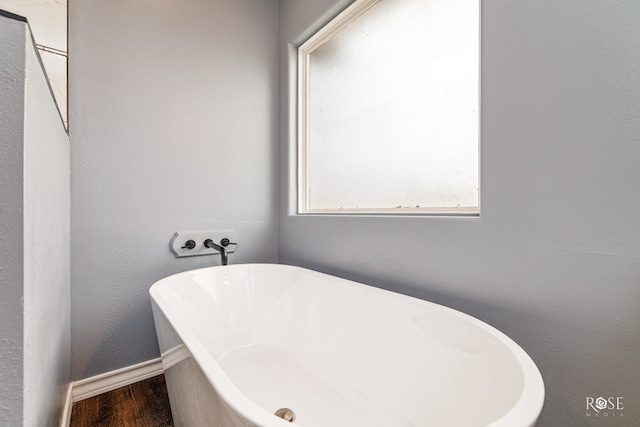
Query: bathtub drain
286,414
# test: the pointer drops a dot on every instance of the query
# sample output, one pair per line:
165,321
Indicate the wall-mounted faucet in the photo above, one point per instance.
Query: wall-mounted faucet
222,248
209,242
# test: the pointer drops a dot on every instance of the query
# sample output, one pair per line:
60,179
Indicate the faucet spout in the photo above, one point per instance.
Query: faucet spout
223,251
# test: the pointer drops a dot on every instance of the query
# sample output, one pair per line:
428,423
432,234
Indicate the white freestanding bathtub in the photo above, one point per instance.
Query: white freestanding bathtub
240,342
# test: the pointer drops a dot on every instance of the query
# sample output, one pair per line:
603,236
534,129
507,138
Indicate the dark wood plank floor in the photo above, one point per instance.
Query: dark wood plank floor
143,404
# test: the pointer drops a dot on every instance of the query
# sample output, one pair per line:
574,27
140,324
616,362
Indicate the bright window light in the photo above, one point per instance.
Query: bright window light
388,110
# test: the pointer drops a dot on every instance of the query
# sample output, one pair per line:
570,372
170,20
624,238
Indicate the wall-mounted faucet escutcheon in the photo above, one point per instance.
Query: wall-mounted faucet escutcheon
191,243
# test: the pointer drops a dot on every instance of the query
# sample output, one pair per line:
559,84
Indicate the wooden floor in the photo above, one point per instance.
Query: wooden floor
143,404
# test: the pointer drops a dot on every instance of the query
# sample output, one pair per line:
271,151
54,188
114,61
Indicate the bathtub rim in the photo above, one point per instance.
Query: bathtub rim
525,411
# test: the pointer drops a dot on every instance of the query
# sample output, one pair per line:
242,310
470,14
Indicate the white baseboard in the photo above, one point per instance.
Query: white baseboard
93,386
65,419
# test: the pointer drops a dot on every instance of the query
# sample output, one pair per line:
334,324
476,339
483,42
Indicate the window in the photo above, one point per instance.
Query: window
388,110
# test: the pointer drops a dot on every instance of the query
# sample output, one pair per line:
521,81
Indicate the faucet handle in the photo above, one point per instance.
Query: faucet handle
189,244
226,242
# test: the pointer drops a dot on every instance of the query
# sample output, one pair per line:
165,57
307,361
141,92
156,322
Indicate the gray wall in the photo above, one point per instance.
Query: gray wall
172,115
34,231
12,78
47,338
554,259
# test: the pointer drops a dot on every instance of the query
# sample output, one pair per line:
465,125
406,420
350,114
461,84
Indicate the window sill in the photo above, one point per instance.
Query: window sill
472,212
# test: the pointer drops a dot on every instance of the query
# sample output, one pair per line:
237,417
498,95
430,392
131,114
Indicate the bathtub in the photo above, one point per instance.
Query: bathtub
241,342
